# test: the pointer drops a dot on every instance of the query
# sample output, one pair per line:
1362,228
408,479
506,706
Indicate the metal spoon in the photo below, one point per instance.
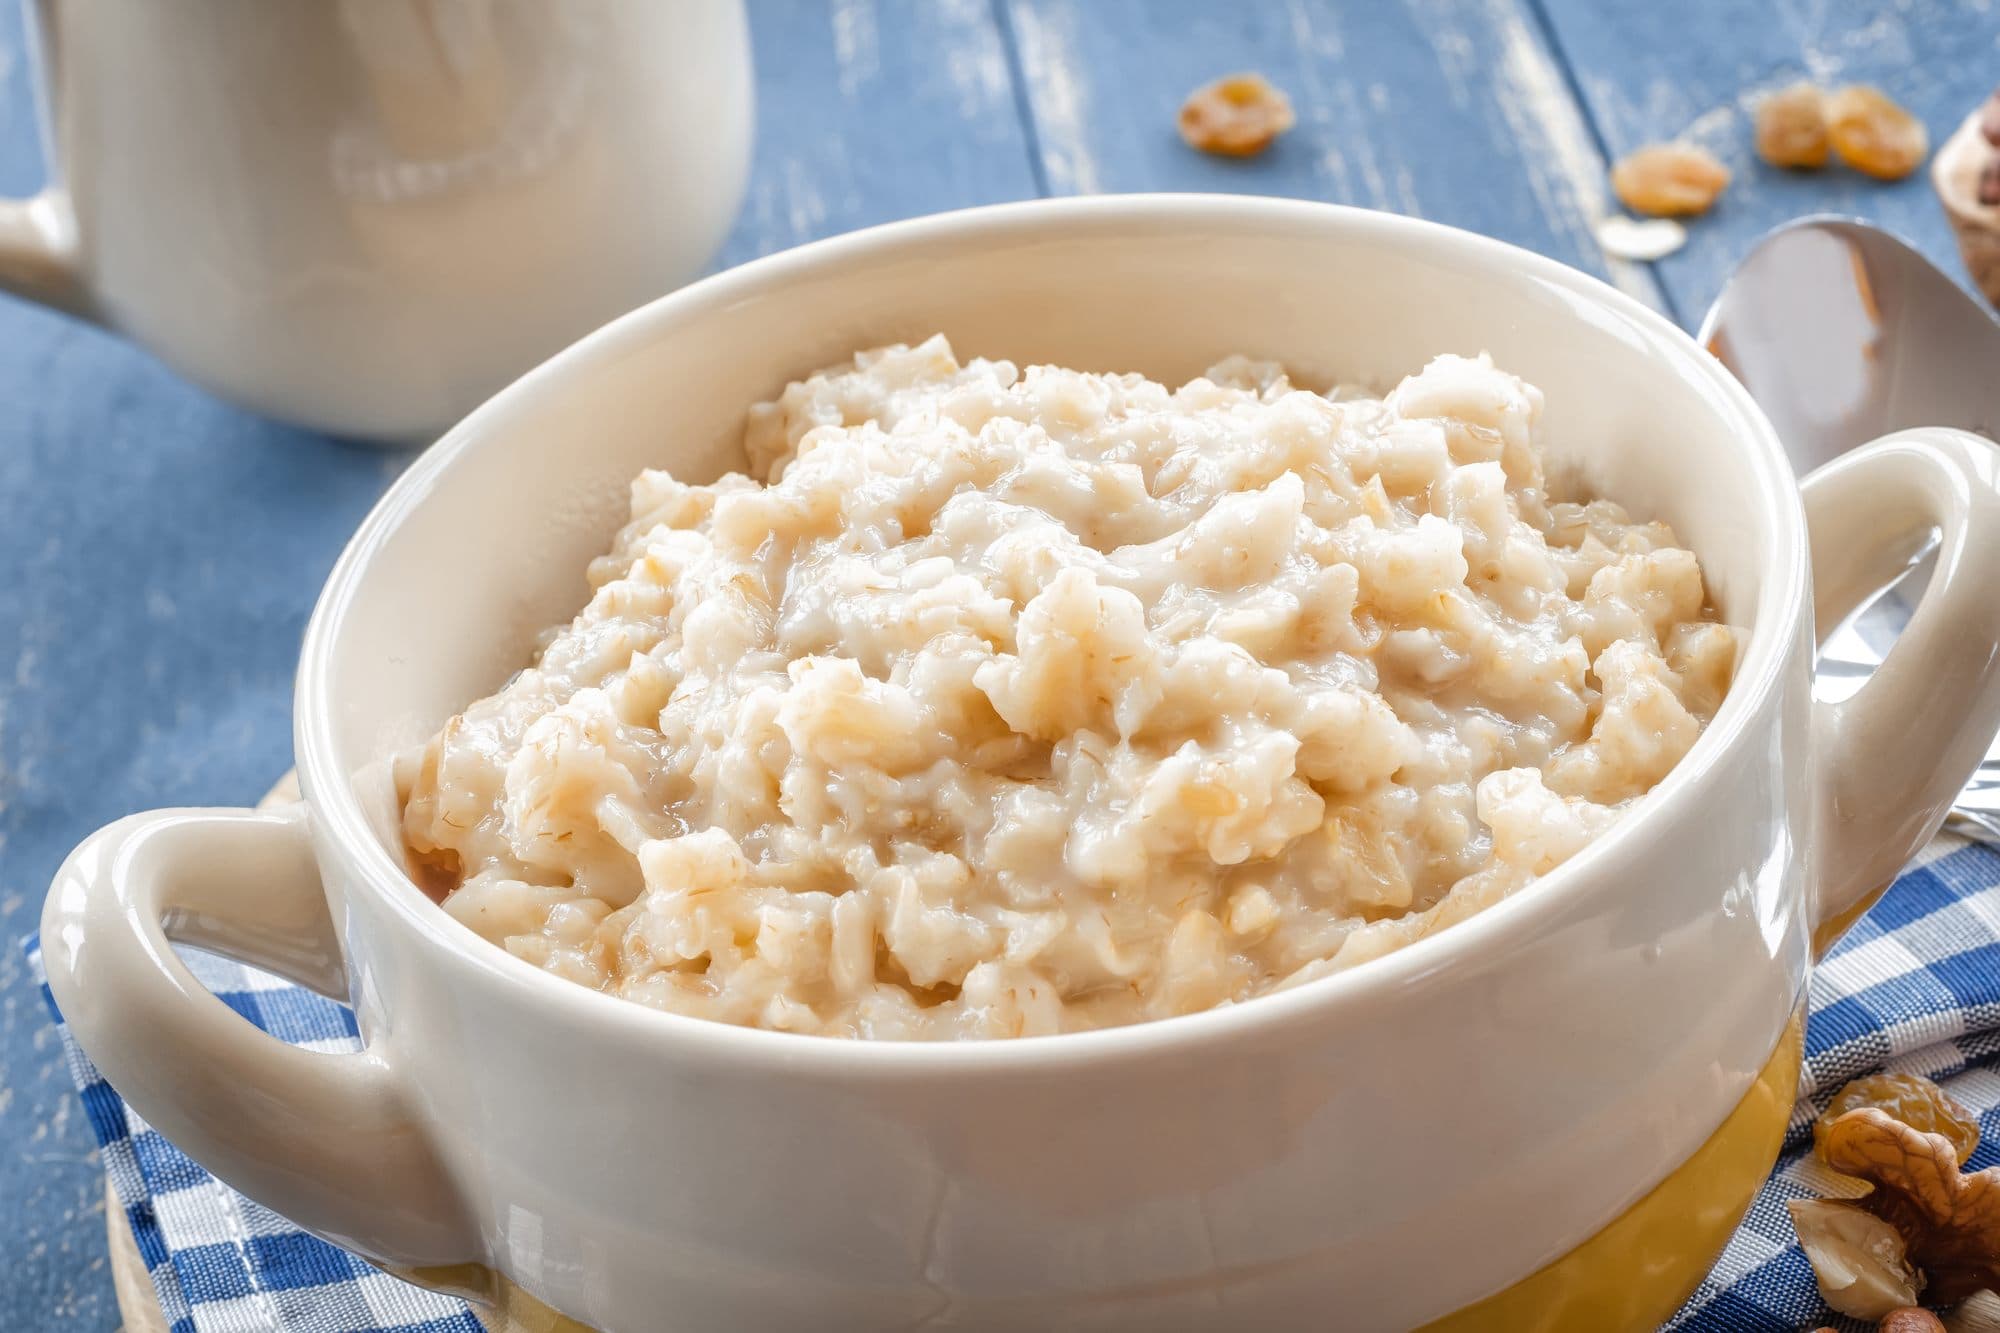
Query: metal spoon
1843,333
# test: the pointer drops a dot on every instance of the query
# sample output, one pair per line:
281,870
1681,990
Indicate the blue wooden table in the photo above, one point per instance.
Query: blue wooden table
159,551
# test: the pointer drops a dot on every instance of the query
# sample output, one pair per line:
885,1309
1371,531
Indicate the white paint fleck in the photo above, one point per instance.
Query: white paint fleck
855,53
1457,59
1349,112
1344,155
1564,170
974,58
1406,192
1644,240
1317,39
1718,129
805,210
1047,45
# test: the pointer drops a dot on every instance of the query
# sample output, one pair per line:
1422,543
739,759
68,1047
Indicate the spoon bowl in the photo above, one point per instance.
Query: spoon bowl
1843,333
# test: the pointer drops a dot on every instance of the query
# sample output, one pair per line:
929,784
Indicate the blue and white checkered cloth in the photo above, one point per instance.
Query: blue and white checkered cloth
221,1263
1914,986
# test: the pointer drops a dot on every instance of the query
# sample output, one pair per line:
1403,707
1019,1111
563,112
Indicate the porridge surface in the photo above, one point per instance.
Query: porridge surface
1026,702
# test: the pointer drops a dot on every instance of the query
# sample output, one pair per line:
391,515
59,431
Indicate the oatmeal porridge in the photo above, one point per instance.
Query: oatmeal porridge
1011,702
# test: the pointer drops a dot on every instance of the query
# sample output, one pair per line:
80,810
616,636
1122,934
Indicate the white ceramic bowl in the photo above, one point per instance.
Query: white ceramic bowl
1410,1139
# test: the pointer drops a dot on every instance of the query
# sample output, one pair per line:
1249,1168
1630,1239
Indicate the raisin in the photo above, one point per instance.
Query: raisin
1874,135
1910,1098
1669,180
1791,127
1236,116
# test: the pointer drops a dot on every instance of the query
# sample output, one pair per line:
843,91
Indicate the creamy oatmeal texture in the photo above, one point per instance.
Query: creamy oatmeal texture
1025,702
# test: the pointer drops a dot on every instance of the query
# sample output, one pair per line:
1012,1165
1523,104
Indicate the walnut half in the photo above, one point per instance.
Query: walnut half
1949,1219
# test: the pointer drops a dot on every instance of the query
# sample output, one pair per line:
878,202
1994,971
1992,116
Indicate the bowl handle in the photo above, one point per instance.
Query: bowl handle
1891,758
327,1140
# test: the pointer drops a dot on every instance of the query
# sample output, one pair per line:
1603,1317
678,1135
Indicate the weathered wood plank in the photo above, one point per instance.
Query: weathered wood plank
1655,71
1455,110
162,550
872,110
51,1248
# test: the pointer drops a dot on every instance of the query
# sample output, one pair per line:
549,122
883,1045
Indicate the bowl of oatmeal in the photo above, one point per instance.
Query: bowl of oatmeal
1126,761
999,701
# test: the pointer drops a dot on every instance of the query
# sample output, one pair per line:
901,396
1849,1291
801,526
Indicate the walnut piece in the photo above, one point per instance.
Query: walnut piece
1949,1220
1235,116
1874,135
1860,1261
1791,127
1911,1319
1910,1099
1989,183
1669,180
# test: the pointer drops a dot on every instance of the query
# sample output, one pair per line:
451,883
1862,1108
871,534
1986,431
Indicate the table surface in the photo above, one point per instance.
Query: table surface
161,550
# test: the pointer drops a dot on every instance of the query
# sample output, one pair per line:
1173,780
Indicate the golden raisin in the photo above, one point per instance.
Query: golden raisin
1669,180
1791,127
1910,1099
1236,116
1874,135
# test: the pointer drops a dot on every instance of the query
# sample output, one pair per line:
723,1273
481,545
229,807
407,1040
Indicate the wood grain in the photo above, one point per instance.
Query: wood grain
138,1304
162,549
1458,112
871,111
1650,71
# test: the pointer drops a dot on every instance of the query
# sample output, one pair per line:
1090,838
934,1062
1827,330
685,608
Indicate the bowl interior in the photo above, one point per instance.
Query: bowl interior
485,542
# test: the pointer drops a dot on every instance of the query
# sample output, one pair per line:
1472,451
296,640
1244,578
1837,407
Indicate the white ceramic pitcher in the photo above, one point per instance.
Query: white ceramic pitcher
366,216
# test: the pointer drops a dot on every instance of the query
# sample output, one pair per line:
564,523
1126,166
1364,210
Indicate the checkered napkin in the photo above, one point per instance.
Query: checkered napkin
221,1263
1914,986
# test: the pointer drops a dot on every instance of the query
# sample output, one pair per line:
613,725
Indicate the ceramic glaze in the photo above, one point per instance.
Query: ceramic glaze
453,190
1255,1164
